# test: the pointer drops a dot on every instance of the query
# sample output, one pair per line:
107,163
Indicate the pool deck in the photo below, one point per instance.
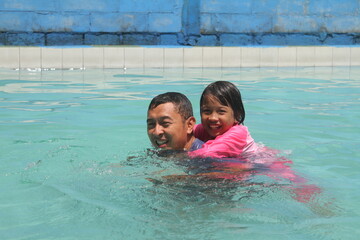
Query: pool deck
65,57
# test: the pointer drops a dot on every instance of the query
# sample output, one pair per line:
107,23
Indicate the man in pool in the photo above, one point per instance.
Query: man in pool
170,122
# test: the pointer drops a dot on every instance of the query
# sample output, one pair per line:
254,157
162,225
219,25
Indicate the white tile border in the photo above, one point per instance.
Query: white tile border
305,56
287,57
93,57
178,57
73,57
269,57
355,56
30,57
231,57
134,57
341,56
212,57
153,58
173,57
250,57
51,58
114,57
323,56
10,57
193,57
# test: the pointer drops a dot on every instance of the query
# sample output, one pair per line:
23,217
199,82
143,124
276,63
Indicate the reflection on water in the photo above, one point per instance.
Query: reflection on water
75,164
241,179
163,194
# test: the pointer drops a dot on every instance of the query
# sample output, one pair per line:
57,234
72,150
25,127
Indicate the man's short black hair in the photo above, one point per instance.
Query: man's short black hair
180,101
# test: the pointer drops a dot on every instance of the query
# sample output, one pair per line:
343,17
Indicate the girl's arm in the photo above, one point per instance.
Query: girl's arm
230,144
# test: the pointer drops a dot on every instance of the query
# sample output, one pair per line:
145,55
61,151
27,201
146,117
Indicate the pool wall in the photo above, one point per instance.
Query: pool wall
177,57
179,22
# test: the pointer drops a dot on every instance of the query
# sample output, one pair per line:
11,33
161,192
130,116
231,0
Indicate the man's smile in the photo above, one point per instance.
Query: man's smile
161,142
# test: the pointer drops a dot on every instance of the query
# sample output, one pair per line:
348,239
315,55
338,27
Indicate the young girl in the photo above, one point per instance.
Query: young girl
221,128
225,136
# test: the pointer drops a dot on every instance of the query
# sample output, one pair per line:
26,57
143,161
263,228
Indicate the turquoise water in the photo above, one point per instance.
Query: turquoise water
75,165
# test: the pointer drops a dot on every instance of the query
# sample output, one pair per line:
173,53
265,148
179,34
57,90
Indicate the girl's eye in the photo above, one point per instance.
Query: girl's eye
205,111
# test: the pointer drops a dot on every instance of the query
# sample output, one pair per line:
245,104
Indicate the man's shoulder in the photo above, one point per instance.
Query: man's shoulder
197,144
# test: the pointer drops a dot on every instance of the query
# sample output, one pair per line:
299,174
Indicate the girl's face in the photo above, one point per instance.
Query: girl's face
216,118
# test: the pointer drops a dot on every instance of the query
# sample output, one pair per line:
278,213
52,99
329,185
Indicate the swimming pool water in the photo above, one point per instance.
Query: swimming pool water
75,165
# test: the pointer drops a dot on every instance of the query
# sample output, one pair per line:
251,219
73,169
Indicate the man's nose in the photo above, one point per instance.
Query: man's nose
158,130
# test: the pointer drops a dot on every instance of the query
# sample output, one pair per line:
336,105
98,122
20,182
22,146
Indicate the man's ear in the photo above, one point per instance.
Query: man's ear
190,124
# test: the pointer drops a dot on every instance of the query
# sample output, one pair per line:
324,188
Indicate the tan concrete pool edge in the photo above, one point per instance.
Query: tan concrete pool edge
177,57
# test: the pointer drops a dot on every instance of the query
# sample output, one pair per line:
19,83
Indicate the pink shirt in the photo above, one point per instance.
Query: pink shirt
233,143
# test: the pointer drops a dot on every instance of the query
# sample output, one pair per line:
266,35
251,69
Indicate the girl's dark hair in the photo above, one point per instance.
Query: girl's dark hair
227,94
180,101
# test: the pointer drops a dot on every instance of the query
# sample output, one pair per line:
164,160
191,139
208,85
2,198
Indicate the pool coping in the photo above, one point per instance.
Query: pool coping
65,57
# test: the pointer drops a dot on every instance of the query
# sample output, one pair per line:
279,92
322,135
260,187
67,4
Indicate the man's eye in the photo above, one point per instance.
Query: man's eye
166,124
150,125
222,112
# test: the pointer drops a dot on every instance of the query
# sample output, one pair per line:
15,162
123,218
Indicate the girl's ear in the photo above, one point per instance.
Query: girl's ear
190,124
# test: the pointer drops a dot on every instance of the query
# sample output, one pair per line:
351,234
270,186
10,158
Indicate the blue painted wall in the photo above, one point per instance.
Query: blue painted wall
180,22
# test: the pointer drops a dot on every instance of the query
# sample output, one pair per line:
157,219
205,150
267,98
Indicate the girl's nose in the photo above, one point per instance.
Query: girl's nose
213,117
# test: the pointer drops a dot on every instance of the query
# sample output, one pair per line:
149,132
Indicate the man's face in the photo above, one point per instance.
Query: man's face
166,127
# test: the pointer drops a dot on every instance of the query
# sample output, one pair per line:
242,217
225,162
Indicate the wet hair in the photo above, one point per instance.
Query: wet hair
180,101
228,95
